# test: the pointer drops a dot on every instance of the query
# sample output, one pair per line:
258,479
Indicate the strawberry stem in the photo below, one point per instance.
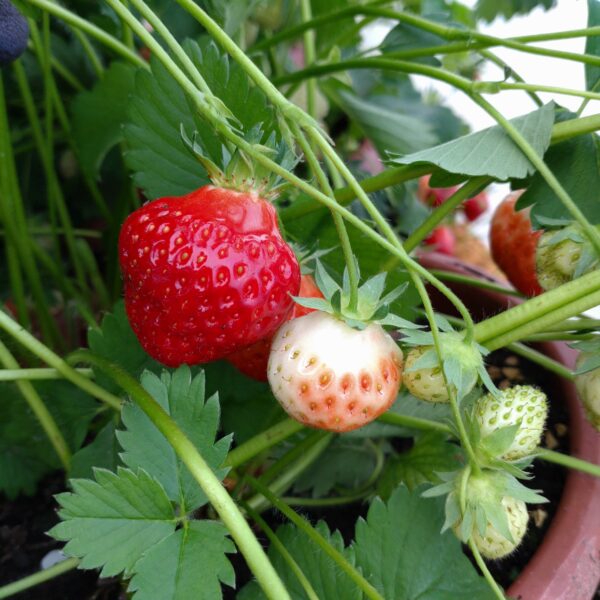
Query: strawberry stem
485,571
313,534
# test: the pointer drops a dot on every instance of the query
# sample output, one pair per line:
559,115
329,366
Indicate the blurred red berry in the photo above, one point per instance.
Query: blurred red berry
476,206
433,196
442,240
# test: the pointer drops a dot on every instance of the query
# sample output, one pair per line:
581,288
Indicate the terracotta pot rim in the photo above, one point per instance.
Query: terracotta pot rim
566,566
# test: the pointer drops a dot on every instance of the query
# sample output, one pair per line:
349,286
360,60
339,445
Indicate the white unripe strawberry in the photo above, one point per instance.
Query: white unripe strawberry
588,388
328,375
493,544
521,404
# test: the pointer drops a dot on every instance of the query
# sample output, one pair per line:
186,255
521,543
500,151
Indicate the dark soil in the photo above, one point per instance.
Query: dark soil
23,523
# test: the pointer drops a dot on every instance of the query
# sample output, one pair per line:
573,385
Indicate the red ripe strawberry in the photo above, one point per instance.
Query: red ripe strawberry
442,239
205,274
513,244
330,376
252,360
476,206
433,196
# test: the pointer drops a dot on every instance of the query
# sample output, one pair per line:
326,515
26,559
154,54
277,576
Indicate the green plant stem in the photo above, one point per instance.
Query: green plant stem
52,359
94,31
53,185
315,536
292,472
261,442
11,210
391,418
540,313
542,360
305,204
468,190
326,502
577,324
295,453
493,87
173,45
309,57
90,51
39,409
505,67
338,221
287,557
485,571
219,498
477,283
334,16
530,354
18,374
11,589
569,461
46,231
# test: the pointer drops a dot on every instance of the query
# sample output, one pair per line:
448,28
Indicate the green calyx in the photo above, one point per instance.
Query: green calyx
461,360
476,500
371,305
234,169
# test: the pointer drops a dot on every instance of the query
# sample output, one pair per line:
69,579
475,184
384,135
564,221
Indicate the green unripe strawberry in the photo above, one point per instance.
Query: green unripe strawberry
588,388
462,364
492,544
425,383
522,405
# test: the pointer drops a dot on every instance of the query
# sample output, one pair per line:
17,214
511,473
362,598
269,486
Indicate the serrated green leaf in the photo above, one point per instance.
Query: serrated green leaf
112,521
189,564
328,580
161,163
430,455
488,10
402,553
182,397
490,152
25,452
99,114
116,342
575,165
102,452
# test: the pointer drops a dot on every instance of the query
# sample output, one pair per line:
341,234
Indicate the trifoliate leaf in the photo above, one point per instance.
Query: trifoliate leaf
145,447
402,553
112,521
430,455
189,564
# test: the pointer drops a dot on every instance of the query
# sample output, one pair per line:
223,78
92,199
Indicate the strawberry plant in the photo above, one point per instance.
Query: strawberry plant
217,311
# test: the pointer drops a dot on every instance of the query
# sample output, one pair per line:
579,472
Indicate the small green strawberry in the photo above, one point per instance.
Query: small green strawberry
492,544
489,508
424,383
562,256
588,388
462,364
523,408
